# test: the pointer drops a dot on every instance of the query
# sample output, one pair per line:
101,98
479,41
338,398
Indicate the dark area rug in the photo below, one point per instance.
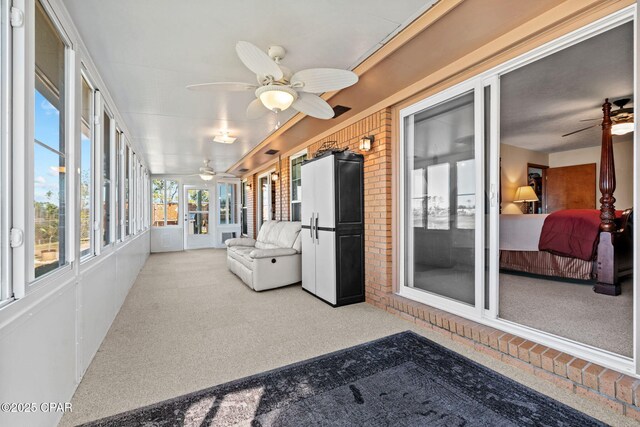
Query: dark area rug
400,380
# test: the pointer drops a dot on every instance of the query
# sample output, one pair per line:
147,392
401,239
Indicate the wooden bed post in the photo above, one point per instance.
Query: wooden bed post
607,282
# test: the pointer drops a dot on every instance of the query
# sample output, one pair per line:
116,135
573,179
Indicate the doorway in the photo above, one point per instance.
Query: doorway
196,218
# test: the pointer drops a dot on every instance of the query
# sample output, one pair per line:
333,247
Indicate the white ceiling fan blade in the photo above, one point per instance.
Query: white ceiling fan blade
258,61
225,175
256,109
319,80
313,105
223,86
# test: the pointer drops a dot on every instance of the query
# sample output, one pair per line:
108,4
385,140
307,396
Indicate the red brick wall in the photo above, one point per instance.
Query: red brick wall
282,191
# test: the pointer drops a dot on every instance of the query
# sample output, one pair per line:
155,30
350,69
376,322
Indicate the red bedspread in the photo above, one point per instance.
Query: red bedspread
572,233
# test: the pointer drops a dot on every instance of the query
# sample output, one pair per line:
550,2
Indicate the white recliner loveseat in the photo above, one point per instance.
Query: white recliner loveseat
272,260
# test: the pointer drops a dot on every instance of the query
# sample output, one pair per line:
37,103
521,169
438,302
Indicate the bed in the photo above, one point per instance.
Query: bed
581,244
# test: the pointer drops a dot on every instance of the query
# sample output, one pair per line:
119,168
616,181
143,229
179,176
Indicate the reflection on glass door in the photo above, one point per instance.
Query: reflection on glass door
196,218
440,199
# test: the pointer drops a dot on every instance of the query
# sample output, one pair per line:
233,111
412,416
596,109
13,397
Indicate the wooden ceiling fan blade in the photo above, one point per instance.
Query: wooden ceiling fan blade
590,120
319,80
313,105
257,61
256,109
579,130
223,86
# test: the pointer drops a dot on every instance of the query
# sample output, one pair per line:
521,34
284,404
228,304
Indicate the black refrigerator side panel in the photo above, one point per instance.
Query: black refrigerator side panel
350,267
349,184
349,193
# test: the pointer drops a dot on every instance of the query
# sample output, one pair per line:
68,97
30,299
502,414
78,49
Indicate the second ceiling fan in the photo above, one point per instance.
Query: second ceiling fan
278,88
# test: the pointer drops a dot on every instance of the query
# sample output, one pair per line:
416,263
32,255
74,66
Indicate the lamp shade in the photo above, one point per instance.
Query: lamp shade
276,97
525,194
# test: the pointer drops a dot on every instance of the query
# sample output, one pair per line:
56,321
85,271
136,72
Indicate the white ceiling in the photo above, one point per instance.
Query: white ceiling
147,51
546,99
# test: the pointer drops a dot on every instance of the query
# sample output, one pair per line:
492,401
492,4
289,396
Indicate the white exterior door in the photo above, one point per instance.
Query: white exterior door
196,218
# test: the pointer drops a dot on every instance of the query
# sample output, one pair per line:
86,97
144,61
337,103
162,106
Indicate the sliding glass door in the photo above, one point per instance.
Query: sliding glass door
442,215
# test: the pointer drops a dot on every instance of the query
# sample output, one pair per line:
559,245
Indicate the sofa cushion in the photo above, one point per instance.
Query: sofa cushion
240,241
265,229
272,253
241,254
297,245
288,234
278,234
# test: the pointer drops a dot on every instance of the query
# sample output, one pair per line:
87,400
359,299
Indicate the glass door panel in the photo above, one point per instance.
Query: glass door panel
197,218
440,199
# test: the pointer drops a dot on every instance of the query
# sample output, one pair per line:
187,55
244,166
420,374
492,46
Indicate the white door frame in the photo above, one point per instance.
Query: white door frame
425,297
259,210
206,239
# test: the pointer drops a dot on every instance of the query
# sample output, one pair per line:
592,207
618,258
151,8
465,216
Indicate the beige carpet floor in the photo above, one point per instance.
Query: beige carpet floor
570,310
188,324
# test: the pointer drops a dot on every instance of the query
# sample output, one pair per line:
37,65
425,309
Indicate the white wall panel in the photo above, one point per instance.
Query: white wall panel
39,358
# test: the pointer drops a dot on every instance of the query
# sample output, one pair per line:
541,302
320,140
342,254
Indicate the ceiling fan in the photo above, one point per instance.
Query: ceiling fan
207,173
622,119
278,88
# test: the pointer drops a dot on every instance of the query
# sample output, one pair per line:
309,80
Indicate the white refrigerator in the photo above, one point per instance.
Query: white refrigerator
333,227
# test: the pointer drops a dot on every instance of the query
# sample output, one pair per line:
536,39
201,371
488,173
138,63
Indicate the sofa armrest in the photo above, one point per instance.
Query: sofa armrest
240,241
268,253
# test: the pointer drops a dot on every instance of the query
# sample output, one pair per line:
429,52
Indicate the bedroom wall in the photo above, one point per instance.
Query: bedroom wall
623,155
513,161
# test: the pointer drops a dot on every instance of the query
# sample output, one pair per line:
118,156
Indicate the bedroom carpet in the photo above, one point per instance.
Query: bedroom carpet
403,380
570,310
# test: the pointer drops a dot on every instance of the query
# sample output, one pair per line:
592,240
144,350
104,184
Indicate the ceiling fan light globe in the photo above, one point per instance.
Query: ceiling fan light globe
622,128
206,177
276,97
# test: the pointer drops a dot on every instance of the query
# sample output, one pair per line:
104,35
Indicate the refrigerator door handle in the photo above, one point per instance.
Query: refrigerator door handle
311,226
317,236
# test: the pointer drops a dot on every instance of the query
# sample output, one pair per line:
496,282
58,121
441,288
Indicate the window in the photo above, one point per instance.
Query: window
106,178
244,187
296,186
49,157
127,189
418,197
466,204
165,202
118,185
438,197
198,211
86,170
226,200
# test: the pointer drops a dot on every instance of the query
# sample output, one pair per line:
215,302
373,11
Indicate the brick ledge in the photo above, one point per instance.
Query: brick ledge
606,387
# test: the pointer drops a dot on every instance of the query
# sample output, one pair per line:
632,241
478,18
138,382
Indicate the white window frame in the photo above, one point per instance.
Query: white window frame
6,288
299,154
164,200
95,156
259,219
244,208
490,317
105,109
231,207
23,127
